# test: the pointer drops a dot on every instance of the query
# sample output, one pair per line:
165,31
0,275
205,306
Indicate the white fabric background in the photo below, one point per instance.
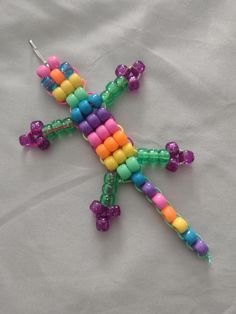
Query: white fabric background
52,260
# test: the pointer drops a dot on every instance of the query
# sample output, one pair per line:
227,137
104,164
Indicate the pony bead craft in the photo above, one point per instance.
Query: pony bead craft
90,114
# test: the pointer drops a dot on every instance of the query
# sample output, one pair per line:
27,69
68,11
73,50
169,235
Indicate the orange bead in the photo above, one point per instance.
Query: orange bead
57,76
120,138
111,144
168,213
102,151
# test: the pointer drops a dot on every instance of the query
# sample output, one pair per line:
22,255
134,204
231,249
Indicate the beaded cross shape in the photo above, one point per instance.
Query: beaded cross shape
90,114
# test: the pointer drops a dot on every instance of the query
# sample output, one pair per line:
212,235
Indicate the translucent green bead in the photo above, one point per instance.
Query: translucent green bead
68,125
107,200
113,89
164,157
109,188
57,127
143,156
153,156
48,132
122,82
107,98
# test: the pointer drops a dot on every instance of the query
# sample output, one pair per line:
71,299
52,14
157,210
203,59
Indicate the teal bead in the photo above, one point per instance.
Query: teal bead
132,164
124,172
72,100
81,94
190,236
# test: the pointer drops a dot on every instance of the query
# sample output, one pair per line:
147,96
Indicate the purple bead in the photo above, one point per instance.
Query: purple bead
133,83
102,224
85,128
103,114
93,120
149,189
42,143
114,211
186,157
27,140
121,70
200,247
140,66
36,127
172,165
172,148
97,208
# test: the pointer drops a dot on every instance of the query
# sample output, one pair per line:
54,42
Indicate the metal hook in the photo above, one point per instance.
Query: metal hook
37,52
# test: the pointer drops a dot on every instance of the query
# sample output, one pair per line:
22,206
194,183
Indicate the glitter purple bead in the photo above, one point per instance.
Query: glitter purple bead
186,157
133,83
42,143
172,165
36,127
139,66
97,208
172,148
102,224
121,70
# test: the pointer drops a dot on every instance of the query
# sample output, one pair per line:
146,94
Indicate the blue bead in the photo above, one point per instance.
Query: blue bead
76,115
190,236
64,66
85,107
138,178
95,100
68,73
48,83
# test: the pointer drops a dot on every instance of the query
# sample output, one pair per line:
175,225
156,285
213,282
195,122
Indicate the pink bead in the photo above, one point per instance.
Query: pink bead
102,132
53,62
159,200
94,139
111,125
43,71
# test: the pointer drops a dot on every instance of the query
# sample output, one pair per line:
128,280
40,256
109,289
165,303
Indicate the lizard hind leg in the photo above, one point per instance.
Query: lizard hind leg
105,209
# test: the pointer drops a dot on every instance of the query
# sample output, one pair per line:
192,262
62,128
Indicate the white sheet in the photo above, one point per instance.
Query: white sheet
52,260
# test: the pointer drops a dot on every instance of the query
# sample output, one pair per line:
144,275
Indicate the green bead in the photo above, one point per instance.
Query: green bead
164,157
143,156
48,132
68,125
108,188
107,200
72,100
133,164
81,94
107,98
113,89
122,82
57,126
124,172
153,156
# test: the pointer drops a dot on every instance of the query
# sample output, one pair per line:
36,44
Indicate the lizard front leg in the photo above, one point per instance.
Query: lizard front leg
170,157
105,209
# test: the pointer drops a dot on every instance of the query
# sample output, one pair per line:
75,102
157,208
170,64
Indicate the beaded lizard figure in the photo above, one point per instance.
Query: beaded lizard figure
90,114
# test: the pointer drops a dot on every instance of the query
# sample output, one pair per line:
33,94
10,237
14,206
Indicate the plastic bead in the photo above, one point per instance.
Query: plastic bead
85,128
76,115
168,213
94,139
143,156
159,200
53,62
68,125
111,144
119,156
129,150
57,76
121,70
139,66
43,71
95,100
85,107
102,151
164,157
81,94
180,224
49,84
200,247
111,125
124,172
133,83
97,208
67,87
76,81
172,165
42,143
186,157
190,236
138,178
107,98
93,120
110,163
59,94
148,189
103,114
133,164
120,138
122,82
113,89
102,132
72,100
36,127
67,69
172,148
102,224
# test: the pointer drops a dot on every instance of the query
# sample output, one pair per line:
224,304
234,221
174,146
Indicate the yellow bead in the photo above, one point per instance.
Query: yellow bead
180,224
110,163
129,150
76,81
59,94
67,87
119,156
